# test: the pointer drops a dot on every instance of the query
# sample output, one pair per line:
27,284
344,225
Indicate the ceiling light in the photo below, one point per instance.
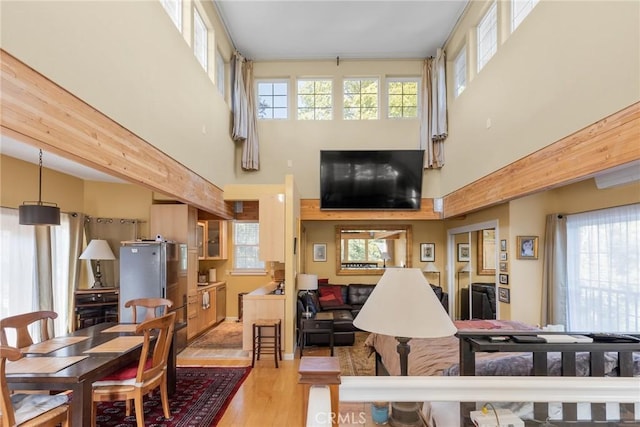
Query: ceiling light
39,213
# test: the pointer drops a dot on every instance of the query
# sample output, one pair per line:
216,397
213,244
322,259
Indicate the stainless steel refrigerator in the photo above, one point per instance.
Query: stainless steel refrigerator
154,270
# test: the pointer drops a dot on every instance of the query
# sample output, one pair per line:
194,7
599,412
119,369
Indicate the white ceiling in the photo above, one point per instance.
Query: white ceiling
326,29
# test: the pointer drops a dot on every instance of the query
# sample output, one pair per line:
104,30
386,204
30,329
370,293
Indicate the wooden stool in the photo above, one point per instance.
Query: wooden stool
262,341
320,371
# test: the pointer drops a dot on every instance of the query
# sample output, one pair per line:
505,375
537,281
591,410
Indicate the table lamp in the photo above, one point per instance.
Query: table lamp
404,306
307,282
385,257
98,250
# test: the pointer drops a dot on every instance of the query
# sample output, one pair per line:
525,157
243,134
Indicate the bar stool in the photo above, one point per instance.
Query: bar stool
265,341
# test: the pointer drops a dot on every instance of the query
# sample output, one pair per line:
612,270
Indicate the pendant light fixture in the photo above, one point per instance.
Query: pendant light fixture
39,213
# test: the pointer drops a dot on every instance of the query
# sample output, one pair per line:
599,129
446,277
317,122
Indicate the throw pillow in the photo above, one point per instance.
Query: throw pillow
329,301
336,291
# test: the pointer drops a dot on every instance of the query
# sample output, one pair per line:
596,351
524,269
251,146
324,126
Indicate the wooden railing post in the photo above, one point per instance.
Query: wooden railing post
320,371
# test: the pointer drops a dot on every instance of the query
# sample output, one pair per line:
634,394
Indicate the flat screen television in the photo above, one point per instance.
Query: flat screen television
363,179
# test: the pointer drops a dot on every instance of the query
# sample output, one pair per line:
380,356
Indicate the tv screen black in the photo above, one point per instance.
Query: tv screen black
361,179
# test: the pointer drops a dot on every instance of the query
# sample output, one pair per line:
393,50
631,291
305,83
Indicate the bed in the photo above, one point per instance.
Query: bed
471,353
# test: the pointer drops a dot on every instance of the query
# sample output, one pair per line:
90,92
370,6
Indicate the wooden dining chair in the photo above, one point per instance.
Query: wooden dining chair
151,305
134,381
21,322
27,410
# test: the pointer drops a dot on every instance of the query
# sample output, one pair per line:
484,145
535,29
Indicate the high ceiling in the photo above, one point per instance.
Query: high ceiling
326,29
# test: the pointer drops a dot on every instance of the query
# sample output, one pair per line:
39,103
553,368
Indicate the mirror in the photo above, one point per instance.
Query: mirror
369,249
487,252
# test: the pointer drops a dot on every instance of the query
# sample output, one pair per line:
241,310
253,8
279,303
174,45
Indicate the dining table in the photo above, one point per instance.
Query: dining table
76,360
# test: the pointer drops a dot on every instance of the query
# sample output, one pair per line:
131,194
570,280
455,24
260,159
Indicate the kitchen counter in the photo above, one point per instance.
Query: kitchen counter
261,304
209,285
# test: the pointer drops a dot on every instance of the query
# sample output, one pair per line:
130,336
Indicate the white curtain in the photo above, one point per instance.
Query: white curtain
433,121
603,270
244,112
554,271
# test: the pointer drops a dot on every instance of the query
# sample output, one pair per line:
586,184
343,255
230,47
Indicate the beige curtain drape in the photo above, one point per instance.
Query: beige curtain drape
43,271
76,240
433,121
554,271
244,113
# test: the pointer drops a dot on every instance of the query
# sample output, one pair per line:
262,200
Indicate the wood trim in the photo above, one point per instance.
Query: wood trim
310,211
610,142
38,112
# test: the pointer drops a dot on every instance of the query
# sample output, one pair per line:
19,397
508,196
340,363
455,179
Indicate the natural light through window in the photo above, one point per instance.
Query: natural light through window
273,99
360,99
460,71
315,99
402,97
200,39
174,10
519,10
487,36
603,270
220,73
246,245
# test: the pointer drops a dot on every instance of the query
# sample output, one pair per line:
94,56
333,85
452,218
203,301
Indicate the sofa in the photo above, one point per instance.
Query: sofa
483,301
345,302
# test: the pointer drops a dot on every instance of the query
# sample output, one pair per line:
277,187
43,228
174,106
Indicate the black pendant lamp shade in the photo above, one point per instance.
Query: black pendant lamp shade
39,213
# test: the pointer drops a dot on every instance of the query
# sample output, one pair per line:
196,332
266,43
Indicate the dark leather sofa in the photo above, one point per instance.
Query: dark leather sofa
344,309
483,301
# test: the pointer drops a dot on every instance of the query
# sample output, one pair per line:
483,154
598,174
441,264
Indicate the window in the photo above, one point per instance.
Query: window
220,73
603,270
199,39
246,244
18,293
460,72
361,99
403,98
487,37
315,99
174,10
273,99
519,10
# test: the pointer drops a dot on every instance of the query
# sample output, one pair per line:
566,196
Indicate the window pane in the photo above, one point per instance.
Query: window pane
313,96
360,99
174,10
199,39
271,96
487,36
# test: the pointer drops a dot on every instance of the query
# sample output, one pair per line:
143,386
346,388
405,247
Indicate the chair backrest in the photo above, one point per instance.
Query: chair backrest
152,306
20,323
164,326
8,415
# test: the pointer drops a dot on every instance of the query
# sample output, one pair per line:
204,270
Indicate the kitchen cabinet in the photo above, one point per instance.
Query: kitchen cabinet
271,216
221,303
202,315
211,236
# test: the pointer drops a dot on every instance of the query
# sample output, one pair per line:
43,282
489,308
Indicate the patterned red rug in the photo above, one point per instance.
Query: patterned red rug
201,397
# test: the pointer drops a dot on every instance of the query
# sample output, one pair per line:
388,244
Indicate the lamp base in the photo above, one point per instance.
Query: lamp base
307,314
405,414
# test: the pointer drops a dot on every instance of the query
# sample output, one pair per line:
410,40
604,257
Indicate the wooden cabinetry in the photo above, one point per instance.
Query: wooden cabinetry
261,304
205,308
271,213
93,306
211,237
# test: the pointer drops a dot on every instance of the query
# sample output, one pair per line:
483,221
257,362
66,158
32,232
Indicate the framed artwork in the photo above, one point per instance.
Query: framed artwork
527,247
427,252
319,252
463,252
504,295
503,267
504,279
503,256
503,245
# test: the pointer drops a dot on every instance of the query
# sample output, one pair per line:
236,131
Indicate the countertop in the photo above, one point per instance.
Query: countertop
209,285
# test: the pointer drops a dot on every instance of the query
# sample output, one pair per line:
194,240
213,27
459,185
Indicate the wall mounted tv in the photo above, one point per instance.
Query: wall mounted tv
380,179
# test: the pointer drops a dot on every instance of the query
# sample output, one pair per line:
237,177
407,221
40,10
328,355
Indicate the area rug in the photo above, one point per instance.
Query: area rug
201,397
355,360
225,335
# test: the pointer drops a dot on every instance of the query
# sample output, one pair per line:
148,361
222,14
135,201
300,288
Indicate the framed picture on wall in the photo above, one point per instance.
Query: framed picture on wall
527,247
319,252
503,295
427,252
463,252
504,279
503,267
503,245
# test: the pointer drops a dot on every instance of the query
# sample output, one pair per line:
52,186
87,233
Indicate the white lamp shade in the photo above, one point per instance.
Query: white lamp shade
98,249
403,305
385,256
465,268
307,282
430,267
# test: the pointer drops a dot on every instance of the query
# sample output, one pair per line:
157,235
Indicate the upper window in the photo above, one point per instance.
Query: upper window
200,39
603,253
220,73
460,72
246,245
273,99
174,10
519,10
361,99
487,36
403,98
315,99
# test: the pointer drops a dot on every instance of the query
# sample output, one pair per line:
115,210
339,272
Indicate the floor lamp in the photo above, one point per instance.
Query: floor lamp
404,306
